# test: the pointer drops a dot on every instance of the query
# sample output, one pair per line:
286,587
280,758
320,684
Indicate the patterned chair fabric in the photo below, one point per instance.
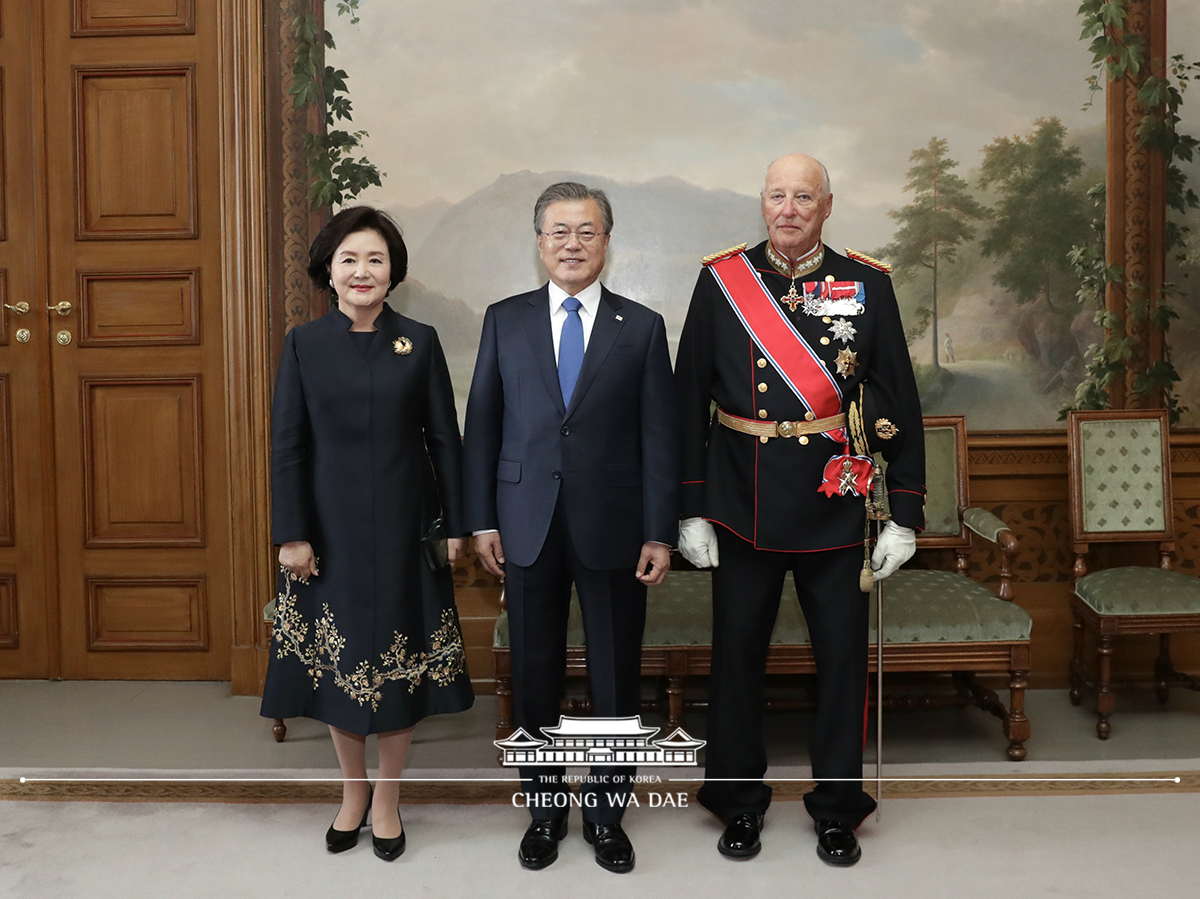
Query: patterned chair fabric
1139,591
1122,475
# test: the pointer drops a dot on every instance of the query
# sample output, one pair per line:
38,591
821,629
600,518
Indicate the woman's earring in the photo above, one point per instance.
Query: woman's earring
331,282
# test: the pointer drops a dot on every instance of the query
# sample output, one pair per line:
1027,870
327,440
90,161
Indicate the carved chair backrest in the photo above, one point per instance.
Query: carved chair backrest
1120,480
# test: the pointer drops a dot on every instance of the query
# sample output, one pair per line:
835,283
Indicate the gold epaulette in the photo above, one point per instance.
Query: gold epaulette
717,257
868,260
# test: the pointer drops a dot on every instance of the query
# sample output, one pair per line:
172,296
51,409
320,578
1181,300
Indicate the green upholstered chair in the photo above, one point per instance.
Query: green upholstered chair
1120,489
934,621
944,621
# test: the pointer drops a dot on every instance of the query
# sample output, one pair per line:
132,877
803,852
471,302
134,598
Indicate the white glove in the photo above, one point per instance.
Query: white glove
895,546
698,542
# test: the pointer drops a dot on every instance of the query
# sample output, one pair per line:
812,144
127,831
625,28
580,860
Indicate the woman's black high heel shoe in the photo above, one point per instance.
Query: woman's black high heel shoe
391,848
341,840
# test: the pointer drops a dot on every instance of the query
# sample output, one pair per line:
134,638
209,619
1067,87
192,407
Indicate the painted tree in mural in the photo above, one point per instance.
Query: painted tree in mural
1040,216
933,225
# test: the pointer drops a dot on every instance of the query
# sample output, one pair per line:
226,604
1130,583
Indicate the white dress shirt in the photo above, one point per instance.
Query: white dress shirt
589,297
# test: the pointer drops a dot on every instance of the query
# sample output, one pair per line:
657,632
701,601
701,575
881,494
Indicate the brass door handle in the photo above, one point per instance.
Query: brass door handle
20,308
63,308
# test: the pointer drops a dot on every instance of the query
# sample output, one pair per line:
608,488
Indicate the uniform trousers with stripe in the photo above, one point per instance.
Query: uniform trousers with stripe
746,594
613,607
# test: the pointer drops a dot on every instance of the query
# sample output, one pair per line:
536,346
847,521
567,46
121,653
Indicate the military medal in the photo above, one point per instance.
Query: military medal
846,481
842,330
792,299
847,361
402,346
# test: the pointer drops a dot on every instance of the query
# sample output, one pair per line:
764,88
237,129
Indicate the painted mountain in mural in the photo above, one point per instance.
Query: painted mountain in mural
482,248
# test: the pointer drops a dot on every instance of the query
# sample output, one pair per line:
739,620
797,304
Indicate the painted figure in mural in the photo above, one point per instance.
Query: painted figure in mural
783,337
948,344
366,482
572,476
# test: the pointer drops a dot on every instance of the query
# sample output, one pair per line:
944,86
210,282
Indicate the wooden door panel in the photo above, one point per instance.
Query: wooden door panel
9,636
28,627
144,486
3,172
139,308
7,525
132,17
159,614
139,396
136,152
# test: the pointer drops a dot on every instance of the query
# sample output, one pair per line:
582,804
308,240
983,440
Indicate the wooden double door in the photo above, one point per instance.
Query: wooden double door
114,481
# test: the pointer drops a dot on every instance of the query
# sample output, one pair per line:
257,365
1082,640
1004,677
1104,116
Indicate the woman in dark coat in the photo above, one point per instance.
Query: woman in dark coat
365,456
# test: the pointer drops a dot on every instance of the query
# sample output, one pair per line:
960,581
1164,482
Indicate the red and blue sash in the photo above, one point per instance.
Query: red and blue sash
790,354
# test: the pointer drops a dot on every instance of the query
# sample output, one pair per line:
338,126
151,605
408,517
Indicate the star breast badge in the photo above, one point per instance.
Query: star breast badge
402,346
842,330
847,361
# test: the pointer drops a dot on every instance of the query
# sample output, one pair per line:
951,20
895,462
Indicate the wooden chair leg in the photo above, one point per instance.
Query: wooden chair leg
1016,725
674,702
279,729
1075,672
1163,668
1105,701
504,725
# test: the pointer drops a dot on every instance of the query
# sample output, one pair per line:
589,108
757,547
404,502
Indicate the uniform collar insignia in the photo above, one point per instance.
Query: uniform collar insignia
803,267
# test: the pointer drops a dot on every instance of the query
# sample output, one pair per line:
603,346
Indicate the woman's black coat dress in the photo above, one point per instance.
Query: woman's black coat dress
365,453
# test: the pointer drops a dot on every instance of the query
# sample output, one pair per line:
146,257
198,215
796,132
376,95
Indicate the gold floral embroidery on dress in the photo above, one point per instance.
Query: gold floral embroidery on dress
322,655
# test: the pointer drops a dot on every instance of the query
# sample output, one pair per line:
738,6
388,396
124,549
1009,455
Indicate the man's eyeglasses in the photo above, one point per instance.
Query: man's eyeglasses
560,236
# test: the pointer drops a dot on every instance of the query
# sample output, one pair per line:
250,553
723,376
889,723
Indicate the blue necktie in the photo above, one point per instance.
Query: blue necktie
570,349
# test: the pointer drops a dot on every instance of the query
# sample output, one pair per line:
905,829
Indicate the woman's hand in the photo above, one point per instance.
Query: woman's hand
456,548
297,557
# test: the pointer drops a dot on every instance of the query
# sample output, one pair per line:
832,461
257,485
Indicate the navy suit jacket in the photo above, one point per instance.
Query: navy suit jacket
614,452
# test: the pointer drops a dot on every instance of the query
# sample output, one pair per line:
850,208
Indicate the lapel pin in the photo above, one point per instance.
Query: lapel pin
620,318
402,346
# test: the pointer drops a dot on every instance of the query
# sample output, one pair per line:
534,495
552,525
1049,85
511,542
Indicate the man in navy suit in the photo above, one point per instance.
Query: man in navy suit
571,476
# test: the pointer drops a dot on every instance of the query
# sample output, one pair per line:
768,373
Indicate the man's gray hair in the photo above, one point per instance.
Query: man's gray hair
572,190
824,174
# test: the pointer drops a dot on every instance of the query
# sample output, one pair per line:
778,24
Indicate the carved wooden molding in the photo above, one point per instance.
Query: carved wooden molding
1136,200
300,224
245,273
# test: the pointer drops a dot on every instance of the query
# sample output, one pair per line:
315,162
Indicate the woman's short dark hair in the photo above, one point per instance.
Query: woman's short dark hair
349,221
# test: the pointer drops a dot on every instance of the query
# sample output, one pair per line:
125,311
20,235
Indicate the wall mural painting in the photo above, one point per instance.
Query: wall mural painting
963,159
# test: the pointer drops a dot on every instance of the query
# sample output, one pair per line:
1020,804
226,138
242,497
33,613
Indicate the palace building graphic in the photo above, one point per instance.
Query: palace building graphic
600,741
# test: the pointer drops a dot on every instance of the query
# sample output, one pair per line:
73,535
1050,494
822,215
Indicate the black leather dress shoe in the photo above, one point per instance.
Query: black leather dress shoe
837,844
390,848
740,839
539,846
341,840
613,849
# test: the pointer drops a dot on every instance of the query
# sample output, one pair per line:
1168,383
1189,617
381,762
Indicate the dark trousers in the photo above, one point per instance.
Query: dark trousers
613,604
746,594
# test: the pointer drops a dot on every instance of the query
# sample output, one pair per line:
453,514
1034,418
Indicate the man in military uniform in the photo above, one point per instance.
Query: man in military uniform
782,337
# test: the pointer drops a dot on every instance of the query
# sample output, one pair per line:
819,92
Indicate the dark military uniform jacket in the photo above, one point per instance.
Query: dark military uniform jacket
767,491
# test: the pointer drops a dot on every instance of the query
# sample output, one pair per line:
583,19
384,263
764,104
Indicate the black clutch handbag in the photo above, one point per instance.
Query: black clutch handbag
433,546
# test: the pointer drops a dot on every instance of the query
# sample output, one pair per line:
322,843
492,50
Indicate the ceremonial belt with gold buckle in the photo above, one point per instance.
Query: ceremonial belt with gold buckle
781,428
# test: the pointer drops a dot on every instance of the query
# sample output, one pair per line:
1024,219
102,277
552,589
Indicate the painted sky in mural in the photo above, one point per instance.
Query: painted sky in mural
676,107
